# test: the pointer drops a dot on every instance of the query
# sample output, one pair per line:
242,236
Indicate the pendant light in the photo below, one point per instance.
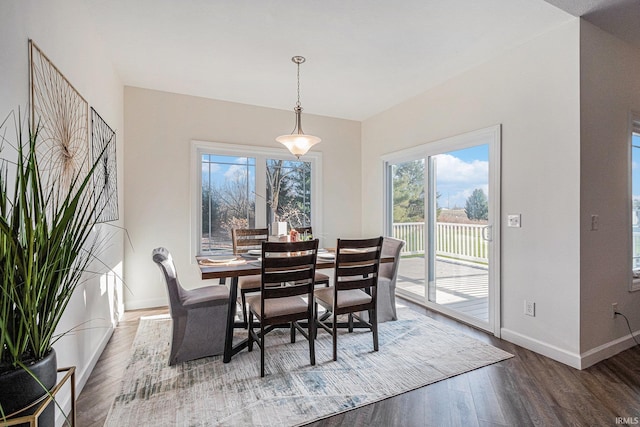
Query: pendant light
297,142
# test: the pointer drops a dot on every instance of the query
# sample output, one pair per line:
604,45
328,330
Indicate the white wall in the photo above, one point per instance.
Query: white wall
160,127
62,29
610,89
533,91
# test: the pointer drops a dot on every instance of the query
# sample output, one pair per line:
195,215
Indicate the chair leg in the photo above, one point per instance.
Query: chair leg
312,333
335,336
293,332
179,327
244,308
250,327
262,337
373,319
315,311
350,322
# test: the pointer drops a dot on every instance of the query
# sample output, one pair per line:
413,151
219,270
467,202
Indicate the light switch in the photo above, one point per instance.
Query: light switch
513,220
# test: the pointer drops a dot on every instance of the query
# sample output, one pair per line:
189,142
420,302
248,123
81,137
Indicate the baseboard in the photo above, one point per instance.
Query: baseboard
578,361
120,313
606,350
83,376
82,379
550,351
147,303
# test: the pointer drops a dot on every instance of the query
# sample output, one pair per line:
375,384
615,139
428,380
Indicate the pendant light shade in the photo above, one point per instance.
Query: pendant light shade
297,142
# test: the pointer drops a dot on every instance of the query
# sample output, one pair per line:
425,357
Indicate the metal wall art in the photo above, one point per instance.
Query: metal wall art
103,146
60,114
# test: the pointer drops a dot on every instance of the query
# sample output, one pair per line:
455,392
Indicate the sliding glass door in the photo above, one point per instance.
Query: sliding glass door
443,201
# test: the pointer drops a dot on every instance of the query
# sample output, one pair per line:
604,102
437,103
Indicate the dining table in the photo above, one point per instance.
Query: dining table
229,266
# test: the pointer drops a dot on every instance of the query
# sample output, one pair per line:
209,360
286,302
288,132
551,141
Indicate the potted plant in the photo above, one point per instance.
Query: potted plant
46,244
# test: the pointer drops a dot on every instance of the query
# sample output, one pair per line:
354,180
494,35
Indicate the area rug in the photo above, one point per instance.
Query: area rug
414,351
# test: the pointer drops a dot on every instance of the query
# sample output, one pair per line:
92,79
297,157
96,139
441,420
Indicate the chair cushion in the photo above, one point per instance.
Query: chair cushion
275,307
345,298
206,296
321,277
249,282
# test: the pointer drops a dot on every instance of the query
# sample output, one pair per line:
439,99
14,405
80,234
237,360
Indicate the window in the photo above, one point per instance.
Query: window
228,198
249,187
635,200
289,192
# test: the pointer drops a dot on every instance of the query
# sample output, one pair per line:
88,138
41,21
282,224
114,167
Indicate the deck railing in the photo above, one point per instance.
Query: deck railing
460,241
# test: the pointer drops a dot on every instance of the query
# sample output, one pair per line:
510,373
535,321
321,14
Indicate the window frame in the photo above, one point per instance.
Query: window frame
634,128
261,154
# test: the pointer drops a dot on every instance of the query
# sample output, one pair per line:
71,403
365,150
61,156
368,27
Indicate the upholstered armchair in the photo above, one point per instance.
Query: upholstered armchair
387,279
199,315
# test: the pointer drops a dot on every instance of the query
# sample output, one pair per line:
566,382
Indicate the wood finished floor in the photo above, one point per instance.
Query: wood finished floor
526,390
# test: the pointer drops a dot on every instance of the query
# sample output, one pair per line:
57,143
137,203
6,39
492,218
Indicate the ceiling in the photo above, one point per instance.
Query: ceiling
363,56
618,17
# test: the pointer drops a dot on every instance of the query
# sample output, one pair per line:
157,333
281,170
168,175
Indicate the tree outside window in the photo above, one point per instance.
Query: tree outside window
289,192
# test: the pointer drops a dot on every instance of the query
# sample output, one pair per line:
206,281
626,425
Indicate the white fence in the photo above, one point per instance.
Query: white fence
460,241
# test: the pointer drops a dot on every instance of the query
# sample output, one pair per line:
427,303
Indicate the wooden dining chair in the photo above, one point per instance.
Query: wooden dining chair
321,278
288,270
244,240
354,287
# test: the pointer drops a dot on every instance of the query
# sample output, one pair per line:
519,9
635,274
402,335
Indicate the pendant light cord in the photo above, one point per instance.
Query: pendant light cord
298,103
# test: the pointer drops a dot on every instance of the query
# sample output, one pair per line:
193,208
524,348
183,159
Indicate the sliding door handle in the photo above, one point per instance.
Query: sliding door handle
487,233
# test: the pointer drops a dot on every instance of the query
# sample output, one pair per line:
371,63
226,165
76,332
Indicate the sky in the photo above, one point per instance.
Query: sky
219,170
460,172
226,168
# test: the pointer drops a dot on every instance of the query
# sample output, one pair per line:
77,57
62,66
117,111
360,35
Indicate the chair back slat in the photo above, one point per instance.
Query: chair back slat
351,256
359,244
357,284
246,239
286,263
302,230
286,276
356,270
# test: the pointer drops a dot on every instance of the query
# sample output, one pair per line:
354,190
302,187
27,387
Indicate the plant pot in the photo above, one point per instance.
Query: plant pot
18,389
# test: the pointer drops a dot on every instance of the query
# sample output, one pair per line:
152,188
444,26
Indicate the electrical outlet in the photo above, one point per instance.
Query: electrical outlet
614,309
530,308
513,220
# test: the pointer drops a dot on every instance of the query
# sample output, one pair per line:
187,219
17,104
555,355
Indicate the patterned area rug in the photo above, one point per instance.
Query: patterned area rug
414,351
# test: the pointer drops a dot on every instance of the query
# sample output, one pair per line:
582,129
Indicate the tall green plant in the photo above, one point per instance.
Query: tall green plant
46,244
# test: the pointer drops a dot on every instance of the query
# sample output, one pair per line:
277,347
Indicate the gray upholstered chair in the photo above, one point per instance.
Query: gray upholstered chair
387,279
199,315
